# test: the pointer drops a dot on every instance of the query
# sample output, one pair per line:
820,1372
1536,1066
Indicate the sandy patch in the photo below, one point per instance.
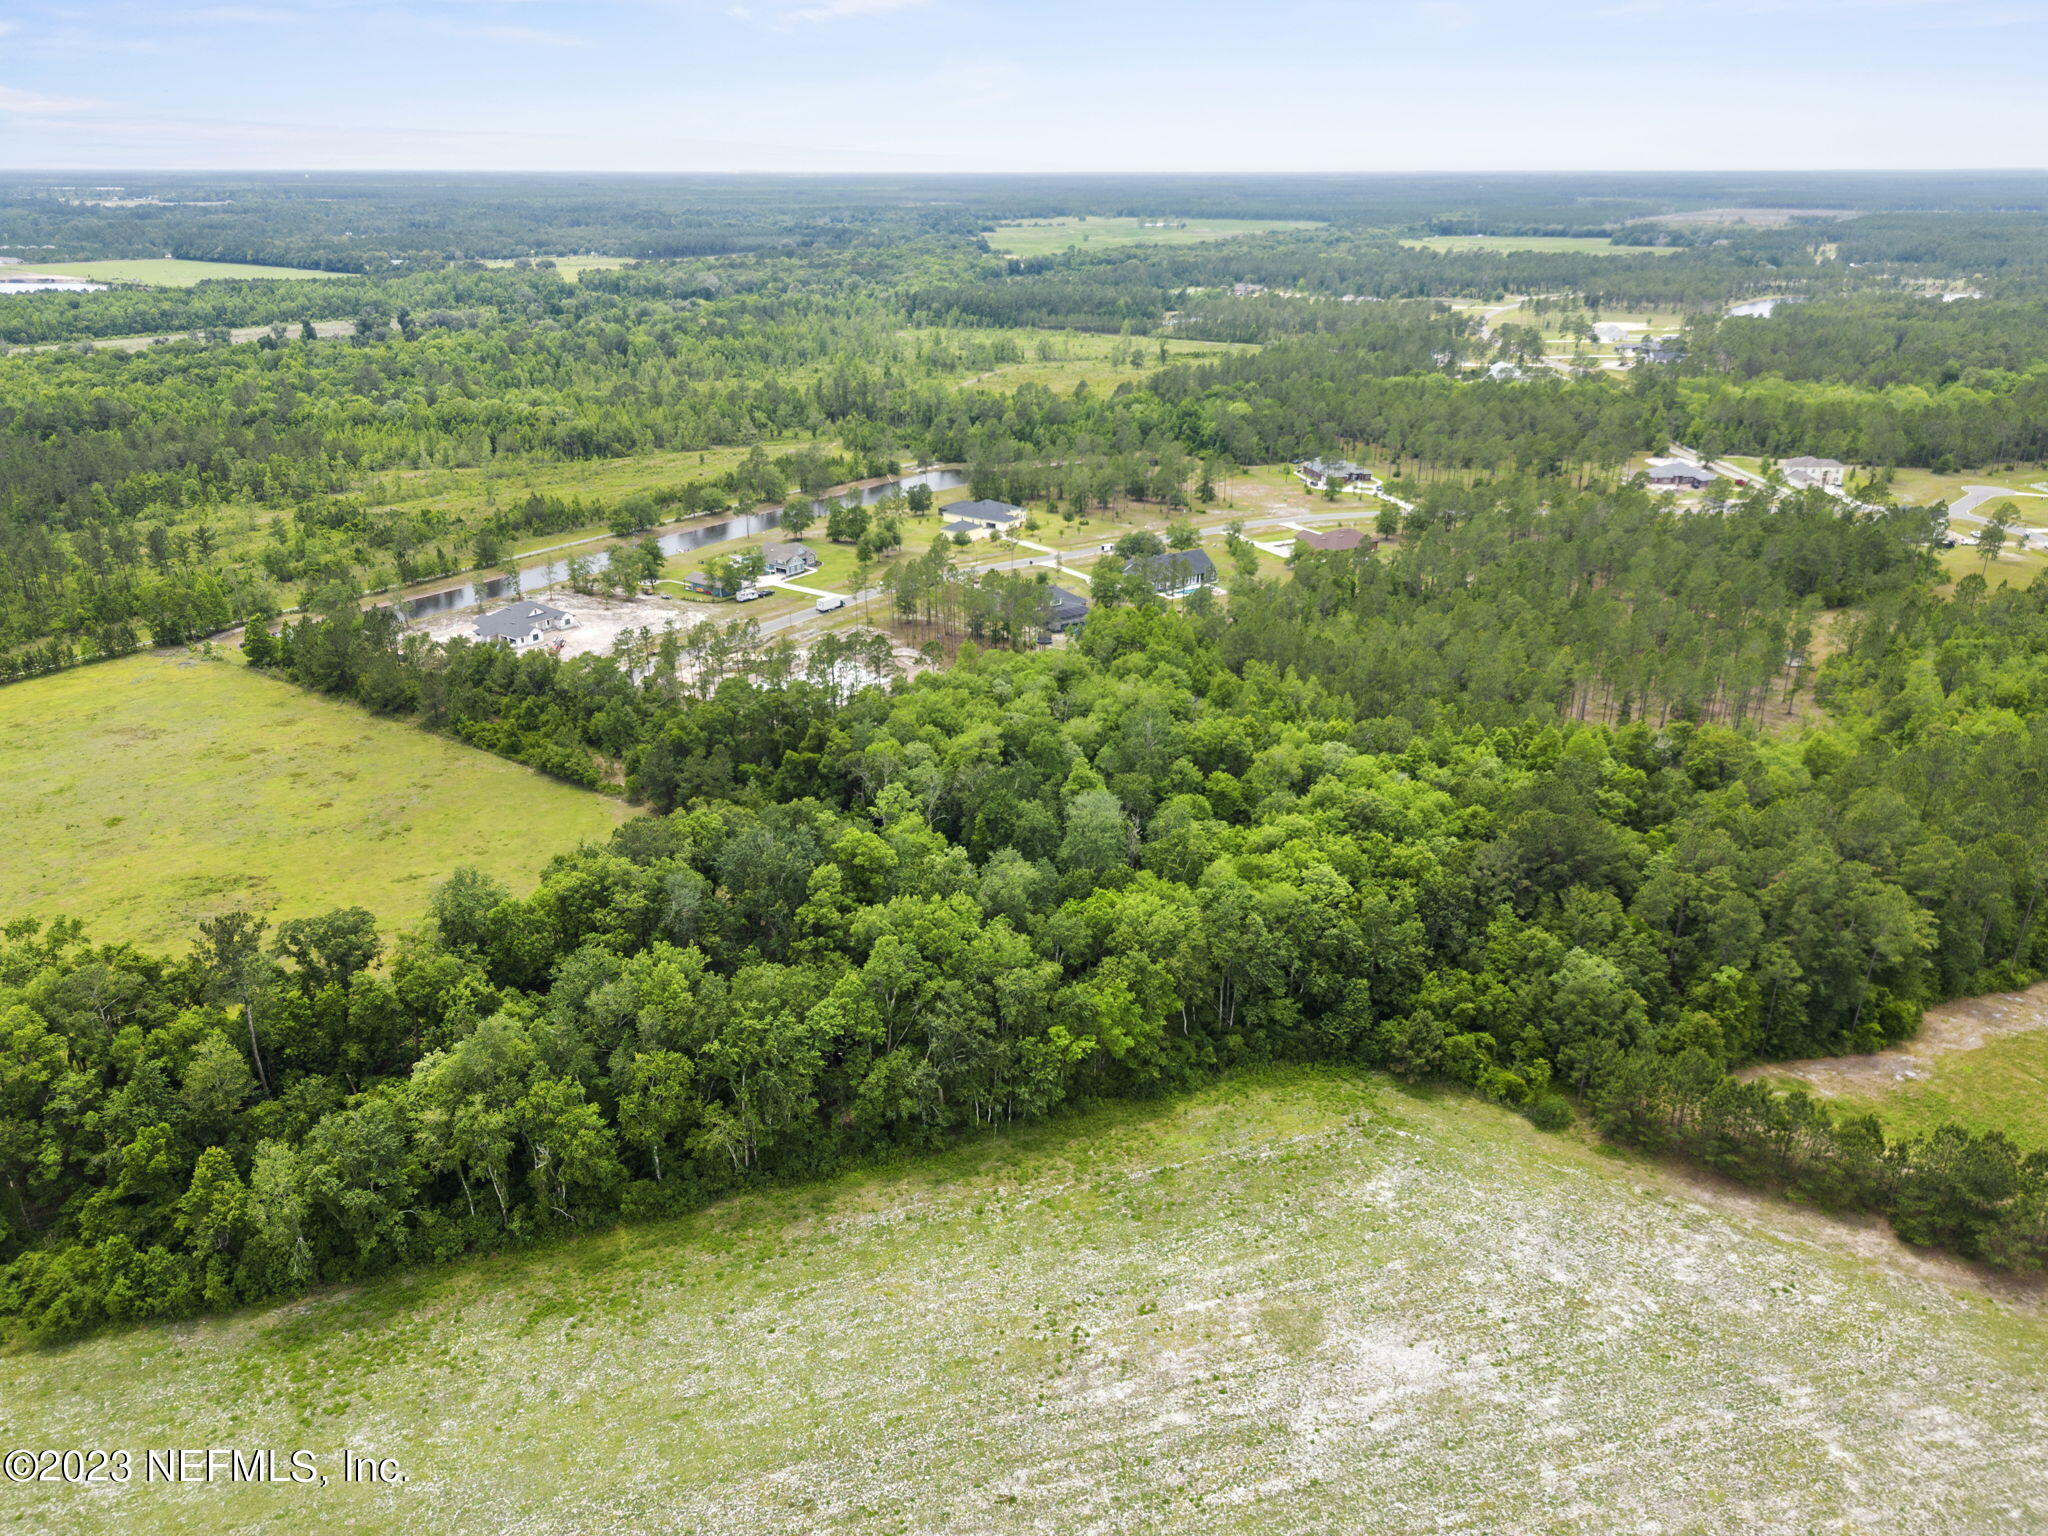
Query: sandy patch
600,621
1963,1025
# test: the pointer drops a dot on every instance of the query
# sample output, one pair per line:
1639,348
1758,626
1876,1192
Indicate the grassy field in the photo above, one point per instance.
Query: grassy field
1981,1062
169,273
1594,245
571,267
1042,237
147,793
1292,1303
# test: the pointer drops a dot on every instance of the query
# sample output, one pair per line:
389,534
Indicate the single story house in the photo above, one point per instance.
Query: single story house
1807,470
1505,371
1336,538
1317,473
1611,332
1175,572
1660,349
523,624
788,559
1068,609
990,516
697,581
1673,477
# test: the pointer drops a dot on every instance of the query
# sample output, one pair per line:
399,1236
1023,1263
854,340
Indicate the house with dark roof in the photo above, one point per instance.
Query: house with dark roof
990,516
1336,538
1068,610
1175,572
787,559
523,624
1317,473
1681,477
1659,349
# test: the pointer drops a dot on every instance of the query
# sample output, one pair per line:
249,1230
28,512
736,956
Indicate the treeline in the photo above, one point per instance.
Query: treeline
1881,340
1027,880
1974,1193
1511,602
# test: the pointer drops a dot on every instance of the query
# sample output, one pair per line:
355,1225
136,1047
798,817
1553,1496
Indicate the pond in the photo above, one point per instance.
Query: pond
744,525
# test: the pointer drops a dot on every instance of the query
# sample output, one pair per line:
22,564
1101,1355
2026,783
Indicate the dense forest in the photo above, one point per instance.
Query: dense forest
168,493
1566,797
366,223
895,916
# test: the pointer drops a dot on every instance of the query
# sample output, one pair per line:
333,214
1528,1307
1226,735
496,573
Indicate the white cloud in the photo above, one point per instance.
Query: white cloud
785,15
36,103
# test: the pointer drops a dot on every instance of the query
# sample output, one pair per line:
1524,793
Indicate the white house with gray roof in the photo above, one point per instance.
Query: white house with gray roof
1808,470
523,625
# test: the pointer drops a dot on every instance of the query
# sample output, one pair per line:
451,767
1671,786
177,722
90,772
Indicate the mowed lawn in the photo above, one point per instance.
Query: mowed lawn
144,794
168,272
1295,1302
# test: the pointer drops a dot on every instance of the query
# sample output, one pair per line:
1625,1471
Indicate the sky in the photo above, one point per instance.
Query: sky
1023,85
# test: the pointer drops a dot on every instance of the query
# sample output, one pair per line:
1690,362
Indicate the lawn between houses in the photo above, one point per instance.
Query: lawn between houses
146,793
1296,1301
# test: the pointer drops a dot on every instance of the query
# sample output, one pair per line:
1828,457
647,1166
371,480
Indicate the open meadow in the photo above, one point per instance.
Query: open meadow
1296,1301
1981,1062
1044,237
167,272
144,794
1583,245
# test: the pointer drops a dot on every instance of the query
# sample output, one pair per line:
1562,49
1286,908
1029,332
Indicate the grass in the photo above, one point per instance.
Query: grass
1981,1062
1588,245
1293,1302
1043,237
168,273
1083,357
571,267
2000,1086
147,793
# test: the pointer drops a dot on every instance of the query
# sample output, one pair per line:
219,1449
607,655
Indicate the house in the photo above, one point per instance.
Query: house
1247,290
697,581
1681,476
990,517
1808,470
1659,349
1175,572
788,559
1316,473
1611,332
1068,609
1336,538
1505,371
523,624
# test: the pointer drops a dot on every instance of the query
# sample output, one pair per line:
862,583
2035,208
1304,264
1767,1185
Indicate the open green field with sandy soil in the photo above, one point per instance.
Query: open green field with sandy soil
144,794
1981,1062
1042,237
1294,1302
167,272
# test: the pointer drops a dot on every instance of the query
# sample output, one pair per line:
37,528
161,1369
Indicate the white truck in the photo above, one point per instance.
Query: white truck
827,604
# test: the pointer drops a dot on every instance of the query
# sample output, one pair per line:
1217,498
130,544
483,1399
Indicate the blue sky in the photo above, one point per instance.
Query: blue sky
961,85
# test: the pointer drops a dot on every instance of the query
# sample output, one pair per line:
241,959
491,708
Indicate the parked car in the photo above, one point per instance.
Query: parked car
827,604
